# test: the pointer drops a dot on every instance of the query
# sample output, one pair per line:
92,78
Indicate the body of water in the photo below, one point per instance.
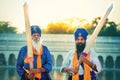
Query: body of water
11,74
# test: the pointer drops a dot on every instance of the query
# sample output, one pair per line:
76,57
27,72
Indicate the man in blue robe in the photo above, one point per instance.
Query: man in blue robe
42,60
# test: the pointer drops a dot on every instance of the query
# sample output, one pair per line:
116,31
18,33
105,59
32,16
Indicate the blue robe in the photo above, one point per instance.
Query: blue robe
45,58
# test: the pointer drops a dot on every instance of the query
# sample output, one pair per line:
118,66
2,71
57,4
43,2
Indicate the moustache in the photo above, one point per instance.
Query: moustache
36,40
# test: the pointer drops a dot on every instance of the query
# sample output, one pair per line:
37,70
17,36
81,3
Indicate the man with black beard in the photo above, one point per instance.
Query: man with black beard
42,60
75,62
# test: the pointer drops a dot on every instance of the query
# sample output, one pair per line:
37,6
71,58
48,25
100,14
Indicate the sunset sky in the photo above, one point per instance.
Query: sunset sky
41,12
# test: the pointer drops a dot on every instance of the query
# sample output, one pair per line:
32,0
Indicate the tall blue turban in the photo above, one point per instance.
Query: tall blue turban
35,29
80,32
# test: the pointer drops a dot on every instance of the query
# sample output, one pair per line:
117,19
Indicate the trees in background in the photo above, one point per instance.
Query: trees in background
68,26
108,29
5,27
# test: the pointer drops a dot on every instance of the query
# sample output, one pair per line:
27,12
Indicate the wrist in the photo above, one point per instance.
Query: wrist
66,69
92,65
42,70
80,62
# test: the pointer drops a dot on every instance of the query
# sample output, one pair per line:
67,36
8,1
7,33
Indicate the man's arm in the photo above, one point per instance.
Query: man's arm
90,64
66,64
20,62
95,60
66,61
48,65
72,70
38,70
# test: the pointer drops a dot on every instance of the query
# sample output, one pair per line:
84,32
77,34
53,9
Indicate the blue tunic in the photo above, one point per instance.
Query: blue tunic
45,58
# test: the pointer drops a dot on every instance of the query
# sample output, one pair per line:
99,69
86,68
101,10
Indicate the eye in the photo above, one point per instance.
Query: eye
82,39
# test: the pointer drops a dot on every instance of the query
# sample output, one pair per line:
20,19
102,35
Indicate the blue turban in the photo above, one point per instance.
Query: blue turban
80,32
35,29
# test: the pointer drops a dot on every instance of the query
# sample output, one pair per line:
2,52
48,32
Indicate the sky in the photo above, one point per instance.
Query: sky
42,12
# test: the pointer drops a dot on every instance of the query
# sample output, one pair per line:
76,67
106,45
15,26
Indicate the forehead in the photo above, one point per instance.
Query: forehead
35,34
80,37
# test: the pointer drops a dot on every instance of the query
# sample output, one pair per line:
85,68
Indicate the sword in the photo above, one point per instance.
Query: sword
28,36
98,28
94,36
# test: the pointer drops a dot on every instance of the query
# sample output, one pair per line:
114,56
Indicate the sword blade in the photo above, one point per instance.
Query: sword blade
28,33
98,28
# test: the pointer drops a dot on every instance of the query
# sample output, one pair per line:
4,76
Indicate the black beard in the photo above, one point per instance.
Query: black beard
80,47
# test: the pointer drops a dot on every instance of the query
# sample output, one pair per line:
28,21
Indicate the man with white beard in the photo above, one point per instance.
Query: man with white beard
42,60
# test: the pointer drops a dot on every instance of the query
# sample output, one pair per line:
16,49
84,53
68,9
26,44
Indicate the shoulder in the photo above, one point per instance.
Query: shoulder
23,51
45,47
24,48
93,52
71,52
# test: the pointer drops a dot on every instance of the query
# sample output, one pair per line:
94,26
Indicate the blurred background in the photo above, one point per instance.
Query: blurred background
58,19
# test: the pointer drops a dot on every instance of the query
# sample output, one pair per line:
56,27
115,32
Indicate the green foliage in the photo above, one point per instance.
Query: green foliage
109,28
5,27
93,25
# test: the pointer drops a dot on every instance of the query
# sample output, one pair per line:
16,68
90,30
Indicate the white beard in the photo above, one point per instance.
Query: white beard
36,44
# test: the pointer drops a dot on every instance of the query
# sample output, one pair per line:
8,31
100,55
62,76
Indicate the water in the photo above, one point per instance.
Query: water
8,74
11,74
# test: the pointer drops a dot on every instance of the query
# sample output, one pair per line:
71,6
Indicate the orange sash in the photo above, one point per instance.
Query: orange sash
75,64
39,63
86,67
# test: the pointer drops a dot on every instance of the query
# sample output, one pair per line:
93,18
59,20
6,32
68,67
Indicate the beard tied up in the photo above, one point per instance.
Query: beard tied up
36,44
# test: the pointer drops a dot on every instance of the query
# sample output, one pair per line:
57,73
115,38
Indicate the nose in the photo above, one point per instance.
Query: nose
36,36
79,40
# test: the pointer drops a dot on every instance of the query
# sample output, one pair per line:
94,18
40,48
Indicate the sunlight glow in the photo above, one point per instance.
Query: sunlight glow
42,12
75,23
